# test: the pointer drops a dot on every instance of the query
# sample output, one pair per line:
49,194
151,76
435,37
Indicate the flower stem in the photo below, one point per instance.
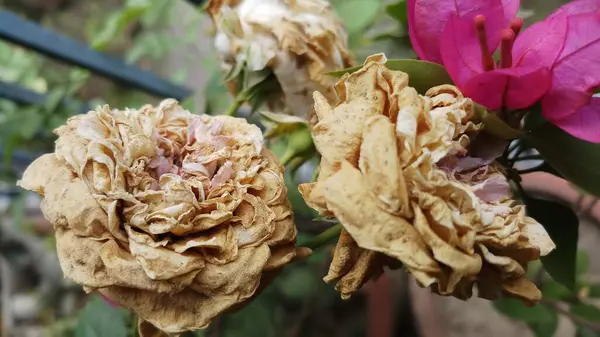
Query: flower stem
240,99
324,237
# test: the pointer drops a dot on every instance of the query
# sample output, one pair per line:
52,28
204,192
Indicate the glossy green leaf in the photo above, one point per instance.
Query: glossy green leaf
562,225
546,328
576,160
586,311
422,74
99,319
515,309
358,15
398,11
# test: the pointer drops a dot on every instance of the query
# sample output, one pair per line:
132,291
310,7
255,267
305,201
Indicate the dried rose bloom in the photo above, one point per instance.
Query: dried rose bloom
395,172
176,216
297,41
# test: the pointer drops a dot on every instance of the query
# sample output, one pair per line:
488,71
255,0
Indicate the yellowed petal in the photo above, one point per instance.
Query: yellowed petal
377,230
381,166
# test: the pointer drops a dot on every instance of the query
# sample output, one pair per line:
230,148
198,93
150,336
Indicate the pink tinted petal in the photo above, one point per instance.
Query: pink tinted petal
428,19
492,189
460,49
511,7
224,173
577,70
584,123
577,7
515,88
561,103
411,30
540,44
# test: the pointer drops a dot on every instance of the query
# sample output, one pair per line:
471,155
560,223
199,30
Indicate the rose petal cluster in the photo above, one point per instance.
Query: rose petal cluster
179,217
396,172
295,41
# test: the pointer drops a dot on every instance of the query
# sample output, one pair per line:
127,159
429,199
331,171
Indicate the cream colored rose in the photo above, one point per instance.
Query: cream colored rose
176,216
297,41
395,172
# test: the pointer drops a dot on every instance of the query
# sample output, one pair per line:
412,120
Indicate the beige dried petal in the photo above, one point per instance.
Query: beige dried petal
396,172
352,266
161,263
145,329
377,230
381,166
296,42
177,216
460,263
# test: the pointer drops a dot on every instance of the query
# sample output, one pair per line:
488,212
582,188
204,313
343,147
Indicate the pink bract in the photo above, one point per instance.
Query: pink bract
427,20
570,104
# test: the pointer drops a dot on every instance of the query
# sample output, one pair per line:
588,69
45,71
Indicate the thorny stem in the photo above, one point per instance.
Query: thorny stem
576,319
324,237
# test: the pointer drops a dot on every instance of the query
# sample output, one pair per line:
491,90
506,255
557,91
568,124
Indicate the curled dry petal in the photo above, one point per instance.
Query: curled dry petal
296,41
176,216
395,172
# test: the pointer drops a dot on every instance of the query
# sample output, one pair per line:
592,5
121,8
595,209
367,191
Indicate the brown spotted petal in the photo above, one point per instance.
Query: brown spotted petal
177,245
296,42
395,171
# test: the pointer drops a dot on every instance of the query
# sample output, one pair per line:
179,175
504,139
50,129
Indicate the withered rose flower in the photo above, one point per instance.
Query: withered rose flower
396,172
297,41
176,216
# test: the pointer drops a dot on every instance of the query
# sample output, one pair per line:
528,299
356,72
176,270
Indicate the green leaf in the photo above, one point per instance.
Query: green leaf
398,11
515,309
546,328
573,158
32,121
358,15
562,225
99,319
494,125
422,75
298,282
255,320
583,262
555,291
594,291
586,311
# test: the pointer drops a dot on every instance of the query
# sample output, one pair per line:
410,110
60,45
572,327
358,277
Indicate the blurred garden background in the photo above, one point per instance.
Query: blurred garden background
172,38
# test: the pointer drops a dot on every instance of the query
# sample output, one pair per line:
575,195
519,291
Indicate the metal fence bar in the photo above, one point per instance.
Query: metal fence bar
20,95
33,36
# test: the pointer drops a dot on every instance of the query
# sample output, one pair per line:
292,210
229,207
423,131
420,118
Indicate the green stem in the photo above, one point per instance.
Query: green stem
240,99
324,237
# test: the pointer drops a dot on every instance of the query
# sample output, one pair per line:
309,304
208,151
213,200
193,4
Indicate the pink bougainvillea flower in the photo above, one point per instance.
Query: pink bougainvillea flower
427,20
571,104
468,38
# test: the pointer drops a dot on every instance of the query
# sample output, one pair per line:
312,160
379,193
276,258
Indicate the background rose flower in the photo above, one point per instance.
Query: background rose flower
177,216
395,172
297,41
